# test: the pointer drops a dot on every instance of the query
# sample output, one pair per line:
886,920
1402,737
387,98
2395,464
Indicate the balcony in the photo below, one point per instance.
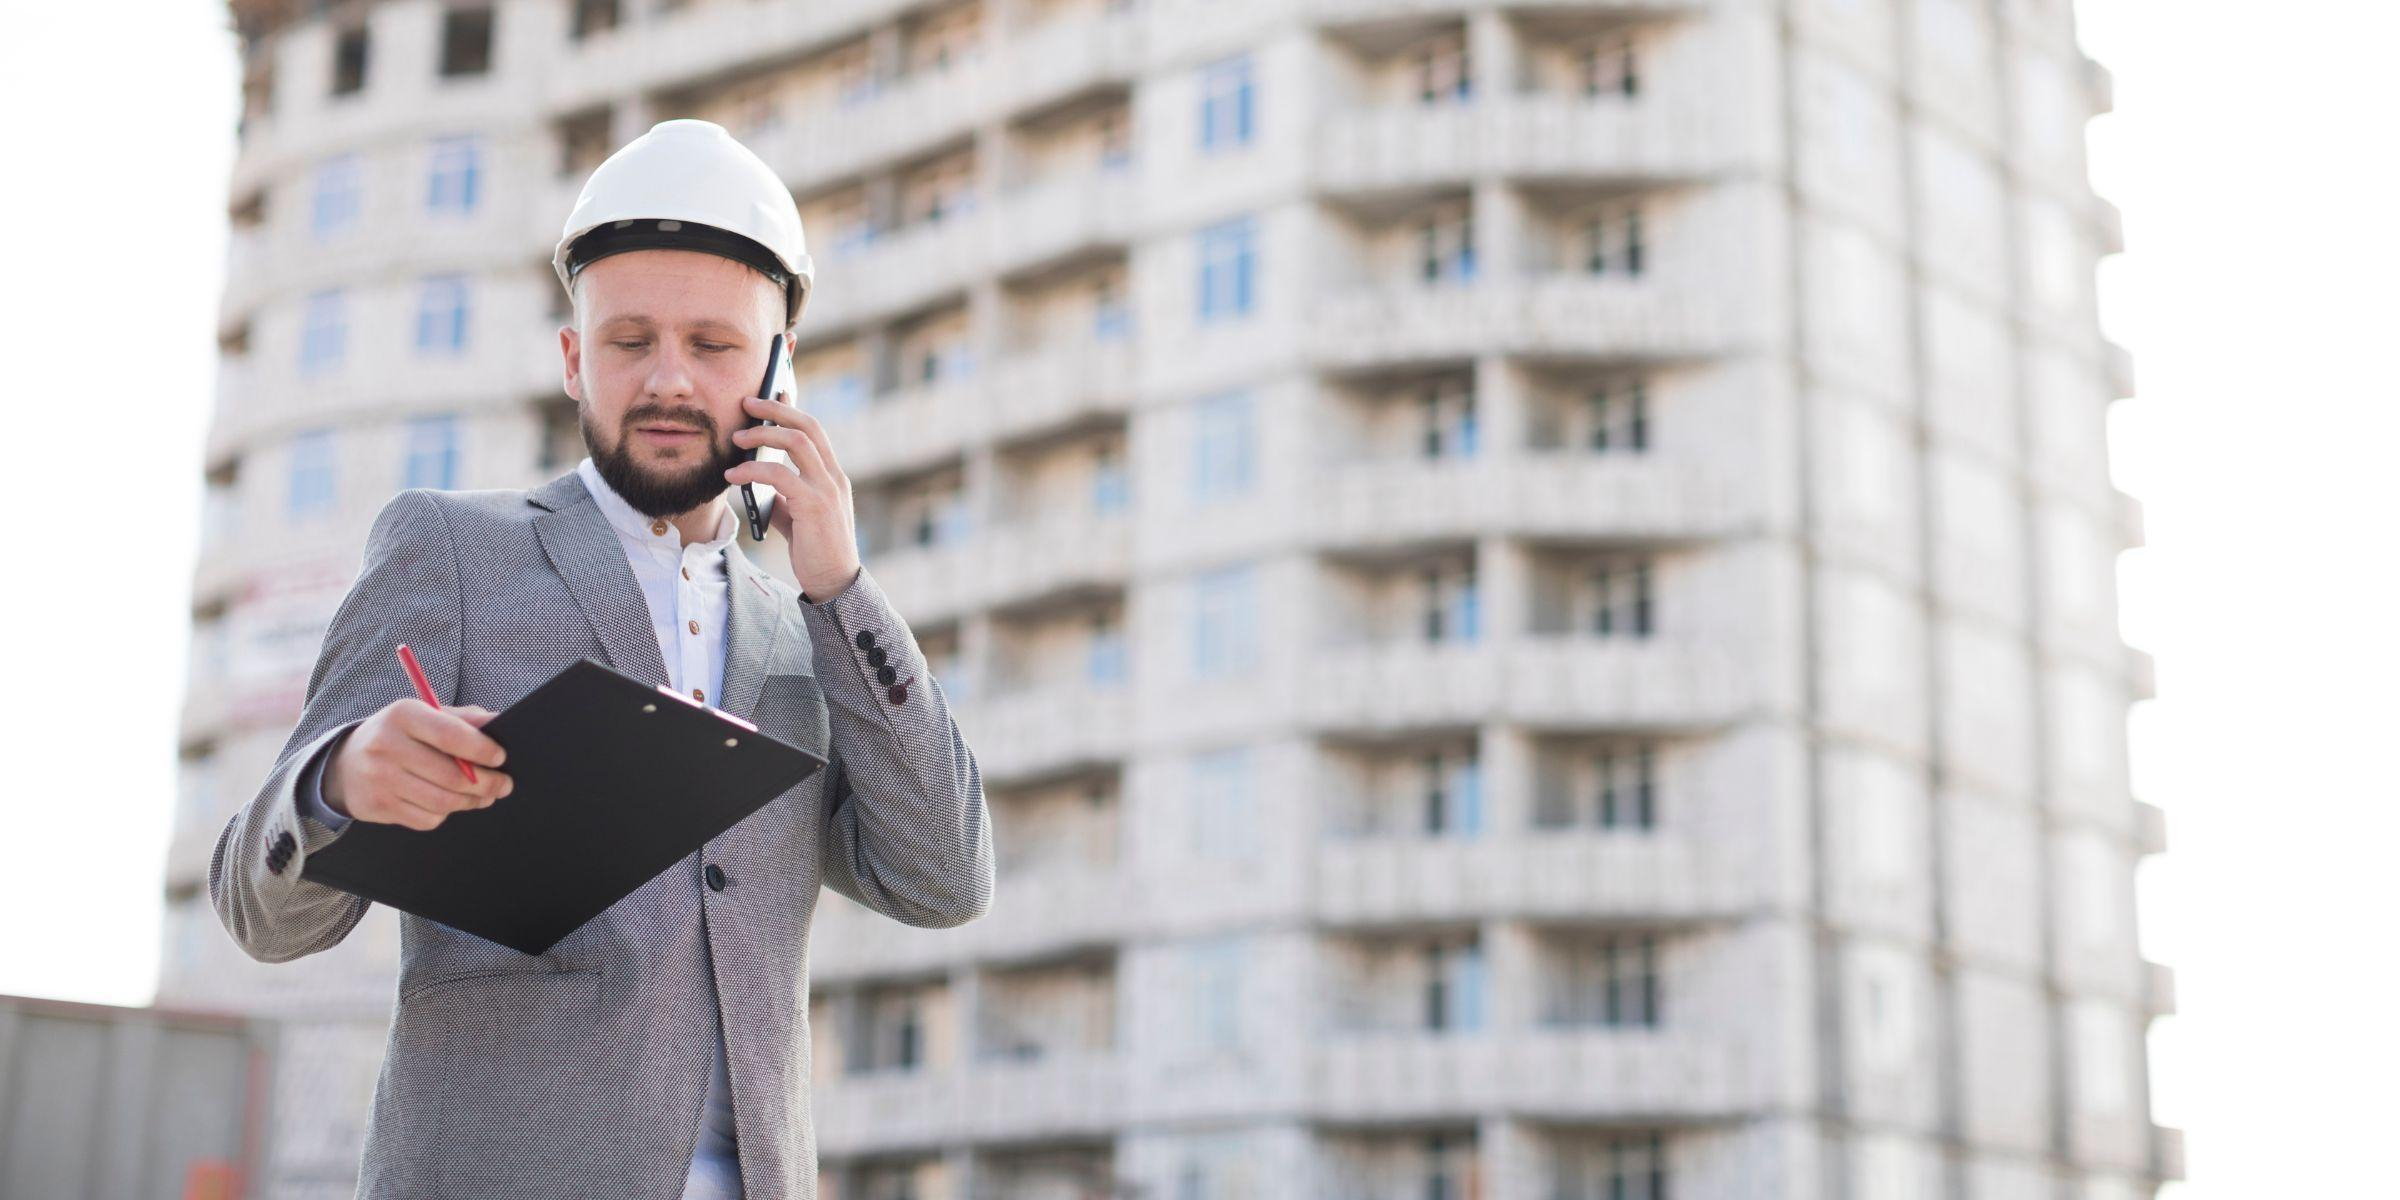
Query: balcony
291,260
1408,146
1021,736
905,269
2158,988
2150,828
1056,555
1563,1075
907,117
1038,911
1557,317
1054,221
1548,681
1056,387
672,49
1344,12
1529,494
1564,874
1070,1095
1063,58
907,430
930,583
1039,391
509,356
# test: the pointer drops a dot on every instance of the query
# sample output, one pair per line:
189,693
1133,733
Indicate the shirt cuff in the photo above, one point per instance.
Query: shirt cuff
312,797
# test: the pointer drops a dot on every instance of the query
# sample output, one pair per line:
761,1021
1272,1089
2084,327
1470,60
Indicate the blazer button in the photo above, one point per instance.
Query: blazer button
716,877
876,656
899,693
865,638
885,674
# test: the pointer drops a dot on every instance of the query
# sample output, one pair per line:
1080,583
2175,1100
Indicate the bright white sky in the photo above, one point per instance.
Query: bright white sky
2254,293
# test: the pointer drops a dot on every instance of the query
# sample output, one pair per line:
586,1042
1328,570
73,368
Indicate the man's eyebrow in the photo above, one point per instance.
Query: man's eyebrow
641,321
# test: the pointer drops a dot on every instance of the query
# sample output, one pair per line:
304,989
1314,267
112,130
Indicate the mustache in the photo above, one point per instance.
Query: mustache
676,418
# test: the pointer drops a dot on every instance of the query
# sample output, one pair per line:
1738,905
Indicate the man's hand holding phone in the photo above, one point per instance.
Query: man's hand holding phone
396,768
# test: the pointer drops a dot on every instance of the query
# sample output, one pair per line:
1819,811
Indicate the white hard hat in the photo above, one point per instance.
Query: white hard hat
688,185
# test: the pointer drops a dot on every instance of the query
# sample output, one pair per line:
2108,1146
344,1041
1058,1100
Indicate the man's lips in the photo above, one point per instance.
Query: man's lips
669,430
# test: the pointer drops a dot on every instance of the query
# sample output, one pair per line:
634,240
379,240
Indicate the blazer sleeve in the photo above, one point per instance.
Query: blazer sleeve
407,592
906,829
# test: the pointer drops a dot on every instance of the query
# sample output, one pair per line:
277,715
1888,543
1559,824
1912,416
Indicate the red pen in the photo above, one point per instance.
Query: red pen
416,675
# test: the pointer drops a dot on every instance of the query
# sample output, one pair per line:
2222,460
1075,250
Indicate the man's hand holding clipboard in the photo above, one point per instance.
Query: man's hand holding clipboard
390,770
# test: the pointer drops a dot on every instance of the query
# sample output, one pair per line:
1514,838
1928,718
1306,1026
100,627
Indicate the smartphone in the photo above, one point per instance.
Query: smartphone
777,377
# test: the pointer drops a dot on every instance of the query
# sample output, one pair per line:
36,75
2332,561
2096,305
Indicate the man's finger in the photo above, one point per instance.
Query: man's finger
453,734
437,770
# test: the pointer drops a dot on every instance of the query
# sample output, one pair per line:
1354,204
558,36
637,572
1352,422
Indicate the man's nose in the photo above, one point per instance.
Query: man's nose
671,373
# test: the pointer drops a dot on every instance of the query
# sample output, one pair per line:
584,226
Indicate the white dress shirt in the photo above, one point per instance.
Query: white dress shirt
686,589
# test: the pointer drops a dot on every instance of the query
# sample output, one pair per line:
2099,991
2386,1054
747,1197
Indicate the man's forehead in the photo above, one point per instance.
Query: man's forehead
678,289
646,320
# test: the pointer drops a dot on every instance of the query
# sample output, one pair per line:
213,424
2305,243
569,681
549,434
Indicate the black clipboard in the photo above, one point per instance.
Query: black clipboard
616,780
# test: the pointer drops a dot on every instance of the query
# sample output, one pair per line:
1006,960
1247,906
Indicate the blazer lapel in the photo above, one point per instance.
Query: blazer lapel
586,553
754,621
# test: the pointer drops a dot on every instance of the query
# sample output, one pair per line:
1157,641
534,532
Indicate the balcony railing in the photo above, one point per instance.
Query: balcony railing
1080,1094
1572,1075
1037,911
1410,145
1646,876
1560,681
1565,316
1548,494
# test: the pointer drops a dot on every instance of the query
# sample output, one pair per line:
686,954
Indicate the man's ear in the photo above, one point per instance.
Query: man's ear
570,347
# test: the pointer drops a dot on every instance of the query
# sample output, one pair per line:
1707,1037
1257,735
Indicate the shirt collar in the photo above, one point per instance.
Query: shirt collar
634,527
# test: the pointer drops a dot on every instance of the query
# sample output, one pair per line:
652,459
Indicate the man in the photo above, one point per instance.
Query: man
662,1049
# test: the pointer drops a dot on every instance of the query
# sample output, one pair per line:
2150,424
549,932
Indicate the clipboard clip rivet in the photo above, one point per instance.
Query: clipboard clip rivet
731,743
649,708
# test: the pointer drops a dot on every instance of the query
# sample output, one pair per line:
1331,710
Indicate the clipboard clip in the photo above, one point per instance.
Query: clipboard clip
708,708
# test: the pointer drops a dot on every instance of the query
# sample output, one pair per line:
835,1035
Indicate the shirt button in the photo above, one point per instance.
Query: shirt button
659,526
696,694
694,626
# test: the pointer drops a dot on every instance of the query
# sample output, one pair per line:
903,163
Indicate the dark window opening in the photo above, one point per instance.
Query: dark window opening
466,41
593,16
350,62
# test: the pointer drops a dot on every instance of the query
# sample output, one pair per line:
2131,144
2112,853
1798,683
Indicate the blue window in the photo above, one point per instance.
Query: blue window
1225,448
1224,809
1225,622
432,453
1216,966
334,206
1110,486
442,315
309,488
1454,1002
1112,319
1228,268
451,185
1227,109
1454,795
838,396
324,328
1104,665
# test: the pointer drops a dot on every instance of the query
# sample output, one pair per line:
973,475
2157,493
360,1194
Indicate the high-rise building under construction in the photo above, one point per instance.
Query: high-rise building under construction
1532,583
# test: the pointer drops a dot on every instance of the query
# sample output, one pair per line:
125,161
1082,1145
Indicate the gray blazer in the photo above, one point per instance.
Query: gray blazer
581,1071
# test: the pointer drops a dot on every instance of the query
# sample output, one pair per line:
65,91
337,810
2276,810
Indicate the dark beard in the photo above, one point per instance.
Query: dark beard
648,494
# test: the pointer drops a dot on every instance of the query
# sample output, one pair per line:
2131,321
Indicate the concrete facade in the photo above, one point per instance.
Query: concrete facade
1532,584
